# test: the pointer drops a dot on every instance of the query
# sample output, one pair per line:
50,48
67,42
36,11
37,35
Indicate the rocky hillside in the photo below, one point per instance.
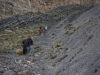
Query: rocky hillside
16,7
70,46
29,23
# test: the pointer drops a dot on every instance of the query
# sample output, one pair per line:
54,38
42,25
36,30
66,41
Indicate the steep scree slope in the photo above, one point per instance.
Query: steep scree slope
79,50
75,46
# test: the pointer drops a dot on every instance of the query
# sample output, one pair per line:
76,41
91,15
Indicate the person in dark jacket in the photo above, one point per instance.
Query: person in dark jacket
30,42
25,45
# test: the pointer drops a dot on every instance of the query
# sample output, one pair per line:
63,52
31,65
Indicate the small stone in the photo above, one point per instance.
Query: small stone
32,63
28,61
17,69
36,67
19,61
1,64
26,72
25,65
36,55
41,60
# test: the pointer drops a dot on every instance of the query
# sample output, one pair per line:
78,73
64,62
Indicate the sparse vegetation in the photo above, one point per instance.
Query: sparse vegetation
57,45
54,64
61,48
53,56
11,38
19,52
52,37
43,68
34,60
37,49
90,37
67,32
60,59
30,12
58,72
78,27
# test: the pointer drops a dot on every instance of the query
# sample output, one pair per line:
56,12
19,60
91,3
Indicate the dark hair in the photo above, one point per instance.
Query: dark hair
40,27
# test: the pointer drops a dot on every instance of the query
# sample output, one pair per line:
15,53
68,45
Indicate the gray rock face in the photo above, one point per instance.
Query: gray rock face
82,43
78,53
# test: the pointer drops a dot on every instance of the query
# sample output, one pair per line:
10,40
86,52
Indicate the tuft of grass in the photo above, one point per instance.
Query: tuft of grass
90,37
53,56
57,45
54,64
61,48
43,68
67,32
58,72
19,51
34,60
78,27
37,49
30,12
52,37
60,59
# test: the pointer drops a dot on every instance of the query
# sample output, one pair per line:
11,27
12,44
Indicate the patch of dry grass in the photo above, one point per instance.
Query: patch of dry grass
57,45
53,56
11,38
67,32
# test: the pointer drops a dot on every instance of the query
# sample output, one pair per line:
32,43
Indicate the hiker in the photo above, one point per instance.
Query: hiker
45,28
40,31
30,42
25,45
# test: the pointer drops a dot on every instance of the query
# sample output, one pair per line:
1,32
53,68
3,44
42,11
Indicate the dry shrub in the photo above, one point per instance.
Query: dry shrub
67,32
57,45
19,51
